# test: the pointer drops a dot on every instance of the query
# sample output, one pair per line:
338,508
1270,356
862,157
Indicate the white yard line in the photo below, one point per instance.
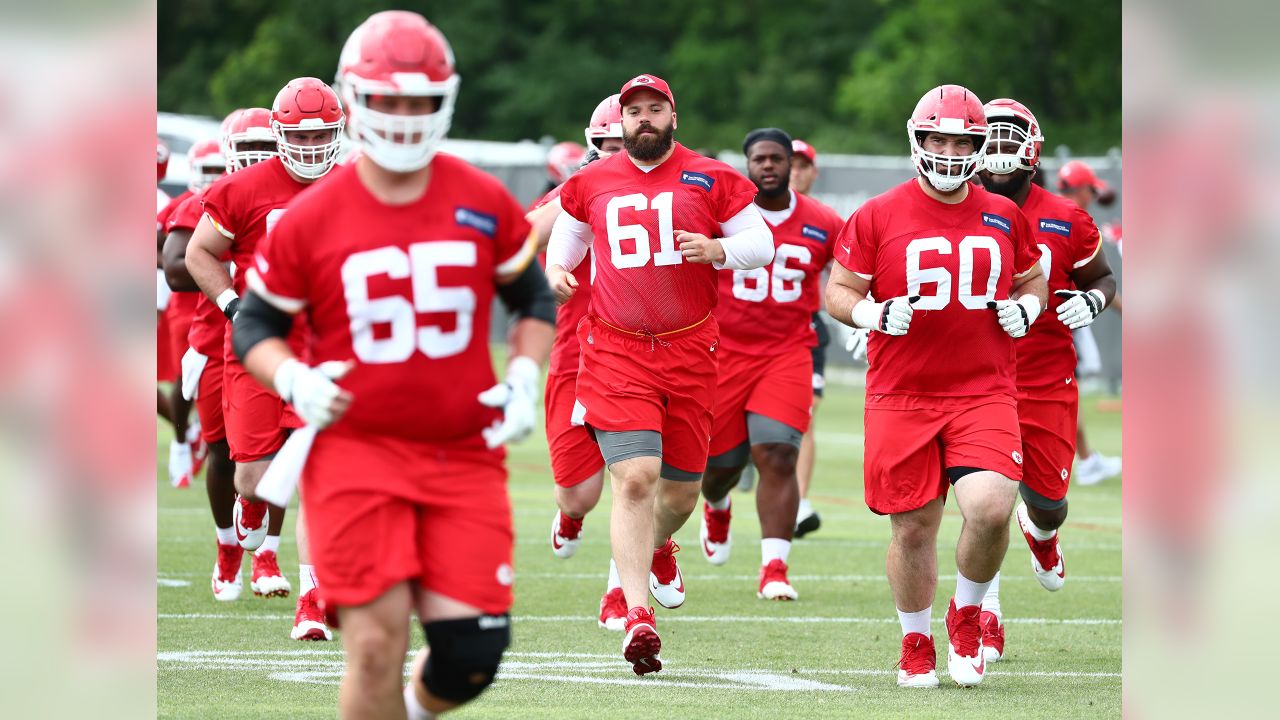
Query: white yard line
676,617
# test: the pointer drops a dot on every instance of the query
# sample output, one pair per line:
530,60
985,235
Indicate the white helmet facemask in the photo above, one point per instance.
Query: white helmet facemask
1002,134
401,143
946,172
308,161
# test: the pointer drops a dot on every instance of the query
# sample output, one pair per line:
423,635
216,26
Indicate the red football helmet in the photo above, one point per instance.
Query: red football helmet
606,121
224,131
563,160
1010,123
207,164
162,160
951,110
307,104
398,53
252,125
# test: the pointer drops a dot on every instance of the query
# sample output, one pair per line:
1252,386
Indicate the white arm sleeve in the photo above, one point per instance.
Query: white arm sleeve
747,241
570,240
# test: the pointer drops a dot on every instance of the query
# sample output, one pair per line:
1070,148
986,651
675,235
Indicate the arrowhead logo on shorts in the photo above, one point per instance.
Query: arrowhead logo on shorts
1065,473
506,575
1017,457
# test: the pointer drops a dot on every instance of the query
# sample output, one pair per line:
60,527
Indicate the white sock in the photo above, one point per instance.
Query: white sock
1038,533
721,504
271,544
774,549
307,579
805,509
413,708
226,536
969,592
916,622
991,601
614,580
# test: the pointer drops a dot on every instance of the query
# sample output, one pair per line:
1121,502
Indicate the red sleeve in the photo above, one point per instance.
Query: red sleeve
1025,251
1085,238
279,274
856,244
186,217
570,201
514,243
732,193
217,204
555,193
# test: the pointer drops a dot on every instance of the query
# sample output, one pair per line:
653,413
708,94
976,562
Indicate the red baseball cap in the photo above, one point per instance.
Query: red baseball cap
646,82
800,147
1078,174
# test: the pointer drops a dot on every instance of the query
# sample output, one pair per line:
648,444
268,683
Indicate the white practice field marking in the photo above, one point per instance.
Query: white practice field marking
676,618
170,582
324,667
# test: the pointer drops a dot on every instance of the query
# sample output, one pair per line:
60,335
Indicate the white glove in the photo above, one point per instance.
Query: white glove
1081,308
517,395
163,293
856,345
311,390
891,317
1016,316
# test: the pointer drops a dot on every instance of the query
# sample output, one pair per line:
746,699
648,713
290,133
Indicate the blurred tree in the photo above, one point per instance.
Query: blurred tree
842,75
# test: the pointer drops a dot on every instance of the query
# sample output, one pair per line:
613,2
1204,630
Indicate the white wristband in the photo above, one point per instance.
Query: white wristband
225,297
1031,304
866,314
285,374
1102,299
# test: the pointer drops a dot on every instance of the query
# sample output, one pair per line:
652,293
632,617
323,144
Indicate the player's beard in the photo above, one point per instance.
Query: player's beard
1008,185
648,147
783,187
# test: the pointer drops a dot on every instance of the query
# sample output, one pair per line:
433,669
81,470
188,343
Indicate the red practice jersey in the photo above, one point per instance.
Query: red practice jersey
770,309
406,291
957,258
162,218
642,283
565,351
1068,239
245,206
208,326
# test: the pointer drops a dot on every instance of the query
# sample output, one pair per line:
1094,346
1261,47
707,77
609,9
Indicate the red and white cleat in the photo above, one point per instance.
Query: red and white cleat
965,659
992,636
1046,555
665,583
917,666
268,581
774,584
714,534
641,644
613,610
566,535
180,468
309,621
250,522
226,573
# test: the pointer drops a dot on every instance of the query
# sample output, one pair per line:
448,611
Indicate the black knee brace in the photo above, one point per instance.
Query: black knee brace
464,655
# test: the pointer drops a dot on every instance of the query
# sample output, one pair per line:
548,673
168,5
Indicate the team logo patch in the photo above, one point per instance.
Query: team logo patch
642,80
1057,227
1017,457
998,222
506,575
485,223
1065,473
697,179
814,232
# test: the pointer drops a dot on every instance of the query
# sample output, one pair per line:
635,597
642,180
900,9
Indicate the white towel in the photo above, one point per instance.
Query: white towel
282,475
192,368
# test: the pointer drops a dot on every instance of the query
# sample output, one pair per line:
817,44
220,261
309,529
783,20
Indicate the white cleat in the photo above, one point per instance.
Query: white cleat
268,581
308,621
774,584
226,573
1096,468
966,661
250,522
1044,554
665,582
916,665
566,535
713,534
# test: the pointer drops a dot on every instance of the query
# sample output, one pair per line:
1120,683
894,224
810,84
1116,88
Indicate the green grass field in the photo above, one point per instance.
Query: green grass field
726,654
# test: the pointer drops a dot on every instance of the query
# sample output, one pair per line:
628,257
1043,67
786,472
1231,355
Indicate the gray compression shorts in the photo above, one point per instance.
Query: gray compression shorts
616,446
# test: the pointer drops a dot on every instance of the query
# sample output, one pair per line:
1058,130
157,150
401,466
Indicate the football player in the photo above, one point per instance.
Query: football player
957,274
276,155
764,394
1081,285
396,261
660,220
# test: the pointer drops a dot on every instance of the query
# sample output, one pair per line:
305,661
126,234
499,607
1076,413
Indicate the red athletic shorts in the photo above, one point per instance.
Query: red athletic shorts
664,383
180,313
209,400
1047,419
166,369
912,440
382,510
575,456
779,387
256,418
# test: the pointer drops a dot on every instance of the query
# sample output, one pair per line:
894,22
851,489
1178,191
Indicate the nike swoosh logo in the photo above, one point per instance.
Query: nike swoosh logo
680,580
555,541
707,548
982,663
240,535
